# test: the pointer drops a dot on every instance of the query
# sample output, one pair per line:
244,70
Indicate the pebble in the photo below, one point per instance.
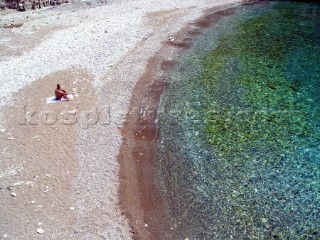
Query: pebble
40,230
264,220
13,194
18,183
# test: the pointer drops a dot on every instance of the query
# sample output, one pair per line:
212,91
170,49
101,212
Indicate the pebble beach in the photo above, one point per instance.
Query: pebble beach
59,169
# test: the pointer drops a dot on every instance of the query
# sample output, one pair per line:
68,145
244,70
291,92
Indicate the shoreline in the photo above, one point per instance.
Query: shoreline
147,211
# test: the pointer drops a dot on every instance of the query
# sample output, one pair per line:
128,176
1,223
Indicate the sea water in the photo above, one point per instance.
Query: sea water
239,120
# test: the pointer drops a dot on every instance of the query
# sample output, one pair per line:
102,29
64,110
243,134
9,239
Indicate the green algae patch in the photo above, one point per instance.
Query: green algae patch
269,115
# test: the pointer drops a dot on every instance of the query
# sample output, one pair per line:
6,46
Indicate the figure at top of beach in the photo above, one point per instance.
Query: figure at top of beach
60,93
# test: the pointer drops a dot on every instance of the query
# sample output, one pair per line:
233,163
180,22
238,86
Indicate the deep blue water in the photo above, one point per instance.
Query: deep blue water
239,146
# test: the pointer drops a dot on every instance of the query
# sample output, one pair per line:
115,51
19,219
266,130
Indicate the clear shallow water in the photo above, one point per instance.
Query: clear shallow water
239,146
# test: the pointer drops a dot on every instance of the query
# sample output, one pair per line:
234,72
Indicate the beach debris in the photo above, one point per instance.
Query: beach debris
40,231
3,130
39,223
10,187
71,208
264,220
13,194
146,225
171,39
32,202
5,235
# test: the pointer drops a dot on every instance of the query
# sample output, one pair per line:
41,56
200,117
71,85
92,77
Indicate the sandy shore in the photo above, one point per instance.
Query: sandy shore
58,162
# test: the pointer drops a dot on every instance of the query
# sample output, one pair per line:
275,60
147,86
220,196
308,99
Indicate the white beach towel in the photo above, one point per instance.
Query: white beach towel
54,99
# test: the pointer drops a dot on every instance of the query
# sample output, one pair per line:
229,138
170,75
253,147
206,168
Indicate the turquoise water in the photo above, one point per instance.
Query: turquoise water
239,146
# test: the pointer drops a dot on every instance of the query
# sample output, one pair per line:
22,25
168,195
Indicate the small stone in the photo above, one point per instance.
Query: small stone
39,223
10,187
264,220
13,194
171,39
40,230
18,183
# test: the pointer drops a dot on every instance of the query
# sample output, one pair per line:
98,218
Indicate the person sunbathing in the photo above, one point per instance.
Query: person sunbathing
60,93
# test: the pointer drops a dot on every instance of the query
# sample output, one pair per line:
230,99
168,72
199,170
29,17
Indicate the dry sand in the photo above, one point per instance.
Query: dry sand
58,162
